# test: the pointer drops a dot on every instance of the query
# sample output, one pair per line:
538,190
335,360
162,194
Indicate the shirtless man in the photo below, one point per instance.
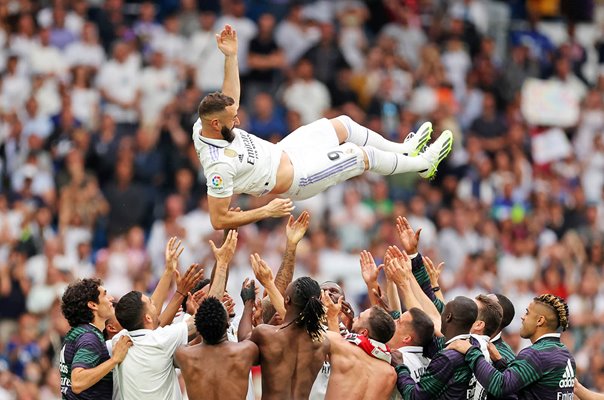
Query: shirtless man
218,368
360,361
305,163
291,354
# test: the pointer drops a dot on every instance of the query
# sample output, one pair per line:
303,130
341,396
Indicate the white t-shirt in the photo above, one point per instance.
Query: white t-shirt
319,388
81,53
475,389
413,358
148,371
246,165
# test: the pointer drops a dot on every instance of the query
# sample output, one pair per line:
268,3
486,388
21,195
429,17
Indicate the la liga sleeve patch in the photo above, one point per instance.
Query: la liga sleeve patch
217,182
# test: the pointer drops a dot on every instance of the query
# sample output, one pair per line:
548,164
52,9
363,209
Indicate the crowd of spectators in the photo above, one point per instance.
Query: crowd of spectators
98,170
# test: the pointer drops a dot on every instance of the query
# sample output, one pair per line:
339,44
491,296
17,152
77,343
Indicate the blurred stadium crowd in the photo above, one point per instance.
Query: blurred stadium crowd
97,167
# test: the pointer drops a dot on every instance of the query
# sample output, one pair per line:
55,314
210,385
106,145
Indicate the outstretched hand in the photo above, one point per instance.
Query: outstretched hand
296,229
369,270
173,251
227,41
408,237
332,309
193,275
433,272
225,253
398,270
261,270
248,290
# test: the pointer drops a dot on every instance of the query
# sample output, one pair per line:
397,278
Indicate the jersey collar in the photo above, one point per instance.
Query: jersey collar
496,338
548,335
462,337
221,143
411,349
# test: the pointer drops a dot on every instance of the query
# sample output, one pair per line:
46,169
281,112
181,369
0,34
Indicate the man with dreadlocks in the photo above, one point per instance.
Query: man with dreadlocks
545,370
291,354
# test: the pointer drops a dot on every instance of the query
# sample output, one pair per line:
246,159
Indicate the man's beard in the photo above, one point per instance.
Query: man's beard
227,134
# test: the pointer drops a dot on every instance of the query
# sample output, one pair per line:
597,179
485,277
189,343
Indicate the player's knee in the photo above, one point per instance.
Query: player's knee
346,121
342,126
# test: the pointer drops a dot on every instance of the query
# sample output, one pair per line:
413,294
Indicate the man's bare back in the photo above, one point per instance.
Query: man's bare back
290,361
218,371
355,374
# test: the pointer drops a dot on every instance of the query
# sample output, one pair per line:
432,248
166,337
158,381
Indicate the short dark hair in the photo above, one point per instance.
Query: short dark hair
211,320
422,325
381,325
214,103
508,310
74,303
464,310
490,313
200,285
130,310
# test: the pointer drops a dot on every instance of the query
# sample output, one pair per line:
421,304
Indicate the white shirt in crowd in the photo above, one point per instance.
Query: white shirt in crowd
208,61
148,370
309,98
47,60
80,53
295,40
158,88
121,81
173,46
246,31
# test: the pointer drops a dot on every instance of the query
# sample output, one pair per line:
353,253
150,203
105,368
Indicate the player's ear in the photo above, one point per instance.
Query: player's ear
287,300
215,123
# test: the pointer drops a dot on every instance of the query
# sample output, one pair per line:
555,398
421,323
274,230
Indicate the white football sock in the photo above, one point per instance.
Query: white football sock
388,163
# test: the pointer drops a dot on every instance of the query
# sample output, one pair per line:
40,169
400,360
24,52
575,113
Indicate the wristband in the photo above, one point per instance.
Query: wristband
180,294
436,289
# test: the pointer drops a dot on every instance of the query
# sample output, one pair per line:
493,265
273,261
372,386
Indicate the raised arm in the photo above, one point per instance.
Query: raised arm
399,272
265,277
173,251
370,273
248,296
224,218
227,43
410,241
183,287
223,257
412,291
294,232
333,311
434,274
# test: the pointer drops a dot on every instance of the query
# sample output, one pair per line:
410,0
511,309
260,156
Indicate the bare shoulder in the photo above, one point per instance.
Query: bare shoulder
333,341
260,332
180,355
247,346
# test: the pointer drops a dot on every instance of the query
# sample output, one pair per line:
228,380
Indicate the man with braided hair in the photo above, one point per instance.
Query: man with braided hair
545,370
291,354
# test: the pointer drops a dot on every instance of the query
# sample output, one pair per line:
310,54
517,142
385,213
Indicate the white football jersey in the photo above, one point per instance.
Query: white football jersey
475,389
413,358
246,165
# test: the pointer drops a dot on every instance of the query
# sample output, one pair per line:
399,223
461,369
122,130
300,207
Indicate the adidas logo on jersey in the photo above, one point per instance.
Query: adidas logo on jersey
568,379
